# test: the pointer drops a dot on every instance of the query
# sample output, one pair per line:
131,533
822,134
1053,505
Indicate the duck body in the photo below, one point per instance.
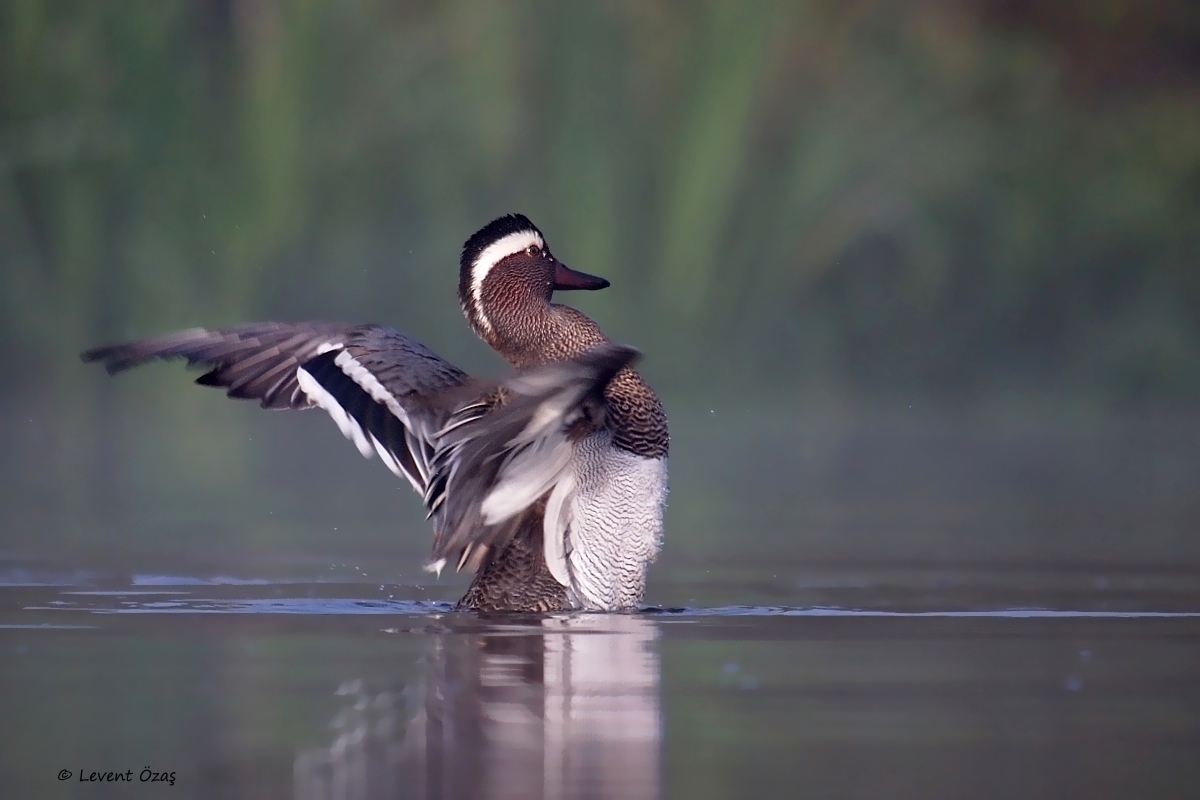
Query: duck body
550,484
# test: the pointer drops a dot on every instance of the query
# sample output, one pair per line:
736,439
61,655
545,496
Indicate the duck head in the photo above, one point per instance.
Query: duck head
506,278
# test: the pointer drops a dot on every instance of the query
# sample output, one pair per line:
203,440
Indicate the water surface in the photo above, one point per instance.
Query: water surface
866,682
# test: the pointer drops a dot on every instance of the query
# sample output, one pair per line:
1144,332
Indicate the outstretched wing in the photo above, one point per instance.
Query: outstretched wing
374,381
495,460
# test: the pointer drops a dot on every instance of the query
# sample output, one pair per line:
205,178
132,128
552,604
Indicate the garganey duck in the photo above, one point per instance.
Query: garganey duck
550,485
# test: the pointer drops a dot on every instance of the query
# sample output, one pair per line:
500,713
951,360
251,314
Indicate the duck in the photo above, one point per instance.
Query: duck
548,484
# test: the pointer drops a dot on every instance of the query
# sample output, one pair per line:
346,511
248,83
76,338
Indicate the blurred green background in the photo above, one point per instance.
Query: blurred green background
917,281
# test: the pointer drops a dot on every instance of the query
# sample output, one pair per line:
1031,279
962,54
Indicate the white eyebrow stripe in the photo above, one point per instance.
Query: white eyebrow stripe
492,255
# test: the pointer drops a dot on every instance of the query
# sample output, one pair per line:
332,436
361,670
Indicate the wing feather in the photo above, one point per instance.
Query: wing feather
490,465
375,382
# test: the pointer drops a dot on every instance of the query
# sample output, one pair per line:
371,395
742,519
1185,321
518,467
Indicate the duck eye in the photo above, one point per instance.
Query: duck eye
533,250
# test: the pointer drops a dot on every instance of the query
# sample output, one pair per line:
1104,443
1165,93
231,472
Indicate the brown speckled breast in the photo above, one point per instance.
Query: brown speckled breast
638,420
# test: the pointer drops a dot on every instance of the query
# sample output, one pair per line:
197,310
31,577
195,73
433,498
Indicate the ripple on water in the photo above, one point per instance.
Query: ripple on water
281,605
832,611
141,602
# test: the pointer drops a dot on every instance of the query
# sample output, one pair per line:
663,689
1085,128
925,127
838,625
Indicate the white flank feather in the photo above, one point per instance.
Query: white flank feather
555,524
616,524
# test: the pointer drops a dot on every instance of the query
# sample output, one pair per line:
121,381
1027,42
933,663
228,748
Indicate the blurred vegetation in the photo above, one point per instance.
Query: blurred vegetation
939,198
852,206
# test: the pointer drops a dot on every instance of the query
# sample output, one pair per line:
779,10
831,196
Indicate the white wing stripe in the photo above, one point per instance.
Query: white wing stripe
370,384
347,424
417,449
391,463
367,444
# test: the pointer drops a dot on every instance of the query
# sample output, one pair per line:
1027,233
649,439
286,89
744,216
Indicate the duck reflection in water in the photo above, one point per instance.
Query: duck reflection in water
563,706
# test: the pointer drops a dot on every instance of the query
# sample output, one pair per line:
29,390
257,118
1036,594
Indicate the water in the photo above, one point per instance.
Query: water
855,681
